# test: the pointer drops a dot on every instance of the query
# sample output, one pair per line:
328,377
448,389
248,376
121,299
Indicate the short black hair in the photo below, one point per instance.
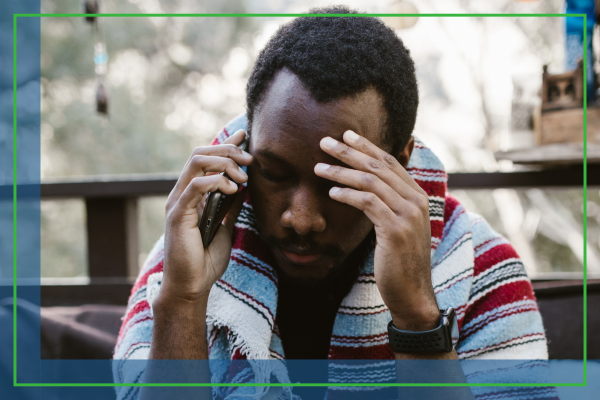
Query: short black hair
336,57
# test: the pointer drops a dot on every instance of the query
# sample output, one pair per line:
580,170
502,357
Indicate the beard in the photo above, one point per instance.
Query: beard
345,268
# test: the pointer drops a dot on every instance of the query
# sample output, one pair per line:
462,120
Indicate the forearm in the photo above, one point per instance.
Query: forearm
179,331
178,350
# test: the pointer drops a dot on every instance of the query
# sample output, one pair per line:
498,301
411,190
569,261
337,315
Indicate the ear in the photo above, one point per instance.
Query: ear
405,154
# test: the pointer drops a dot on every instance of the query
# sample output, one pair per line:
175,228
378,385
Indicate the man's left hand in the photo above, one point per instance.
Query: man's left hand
381,187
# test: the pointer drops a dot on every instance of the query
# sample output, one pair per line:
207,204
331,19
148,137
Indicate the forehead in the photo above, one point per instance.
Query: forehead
290,119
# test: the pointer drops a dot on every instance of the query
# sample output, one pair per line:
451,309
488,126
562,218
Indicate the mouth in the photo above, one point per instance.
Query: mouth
298,256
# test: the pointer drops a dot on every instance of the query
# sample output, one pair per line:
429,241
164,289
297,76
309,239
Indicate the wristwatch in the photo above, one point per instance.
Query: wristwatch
441,339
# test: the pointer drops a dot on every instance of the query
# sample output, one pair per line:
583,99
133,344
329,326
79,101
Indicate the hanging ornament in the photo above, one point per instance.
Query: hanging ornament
101,60
91,7
101,99
100,56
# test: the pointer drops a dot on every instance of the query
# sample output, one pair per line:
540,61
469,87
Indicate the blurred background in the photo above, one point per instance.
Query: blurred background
129,96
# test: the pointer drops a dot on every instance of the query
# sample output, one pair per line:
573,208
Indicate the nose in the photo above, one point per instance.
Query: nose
303,213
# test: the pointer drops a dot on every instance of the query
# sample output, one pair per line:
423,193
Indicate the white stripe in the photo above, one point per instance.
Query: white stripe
246,226
488,271
377,309
457,278
500,346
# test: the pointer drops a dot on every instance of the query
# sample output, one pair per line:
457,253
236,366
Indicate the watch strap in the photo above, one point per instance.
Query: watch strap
432,341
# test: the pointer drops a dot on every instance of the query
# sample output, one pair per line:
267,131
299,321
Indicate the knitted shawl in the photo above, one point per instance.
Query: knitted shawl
474,270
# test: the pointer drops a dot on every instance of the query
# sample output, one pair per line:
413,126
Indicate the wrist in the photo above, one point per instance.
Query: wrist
173,304
417,318
193,290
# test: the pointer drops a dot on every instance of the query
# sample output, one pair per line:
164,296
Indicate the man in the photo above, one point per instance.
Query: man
345,226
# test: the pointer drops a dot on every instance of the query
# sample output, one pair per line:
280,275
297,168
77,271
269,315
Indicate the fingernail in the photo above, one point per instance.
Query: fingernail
334,190
246,154
232,183
328,142
321,167
242,171
352,135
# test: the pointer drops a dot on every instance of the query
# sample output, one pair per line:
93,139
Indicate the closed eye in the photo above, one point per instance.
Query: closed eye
270,177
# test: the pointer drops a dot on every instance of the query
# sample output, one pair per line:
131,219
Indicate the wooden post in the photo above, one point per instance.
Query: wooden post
112,230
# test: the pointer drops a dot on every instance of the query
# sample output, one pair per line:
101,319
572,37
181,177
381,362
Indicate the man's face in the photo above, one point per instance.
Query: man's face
309,234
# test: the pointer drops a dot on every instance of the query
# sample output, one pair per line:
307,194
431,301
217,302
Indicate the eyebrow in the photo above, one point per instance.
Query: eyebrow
273,156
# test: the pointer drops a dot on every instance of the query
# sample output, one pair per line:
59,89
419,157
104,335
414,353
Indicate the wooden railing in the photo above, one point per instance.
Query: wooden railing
112,226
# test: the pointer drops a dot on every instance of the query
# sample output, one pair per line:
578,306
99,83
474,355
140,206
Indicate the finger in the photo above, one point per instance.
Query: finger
200,166
363,181
233,140
195,191
365,146
234,212
363,162
236,138
228,149
373,207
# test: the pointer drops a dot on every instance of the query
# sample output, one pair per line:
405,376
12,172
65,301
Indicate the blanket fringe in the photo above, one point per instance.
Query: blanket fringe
263,367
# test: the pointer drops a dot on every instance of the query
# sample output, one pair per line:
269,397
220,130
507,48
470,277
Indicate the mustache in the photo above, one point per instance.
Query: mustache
306,243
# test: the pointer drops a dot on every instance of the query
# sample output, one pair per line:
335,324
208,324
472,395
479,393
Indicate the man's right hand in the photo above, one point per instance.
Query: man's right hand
179,330
190,270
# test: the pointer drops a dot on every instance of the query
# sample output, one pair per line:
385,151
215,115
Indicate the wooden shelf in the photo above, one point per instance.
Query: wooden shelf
552,154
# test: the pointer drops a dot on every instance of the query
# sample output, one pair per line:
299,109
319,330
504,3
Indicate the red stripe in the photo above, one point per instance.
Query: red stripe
432,188
237,355
502,295
437,228
159,255
143,279
138,308
215,141
450,206
436,171
378,352
493,256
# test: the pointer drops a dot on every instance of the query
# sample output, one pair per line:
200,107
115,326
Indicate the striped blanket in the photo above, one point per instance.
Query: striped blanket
474,270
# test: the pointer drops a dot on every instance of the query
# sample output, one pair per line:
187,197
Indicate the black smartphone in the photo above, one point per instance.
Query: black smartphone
216,207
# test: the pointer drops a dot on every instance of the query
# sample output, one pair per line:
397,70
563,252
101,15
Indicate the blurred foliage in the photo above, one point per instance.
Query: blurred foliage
151,223
63,254
173,82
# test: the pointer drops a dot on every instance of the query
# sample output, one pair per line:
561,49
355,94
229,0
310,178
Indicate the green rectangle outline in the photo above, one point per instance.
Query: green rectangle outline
16,384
